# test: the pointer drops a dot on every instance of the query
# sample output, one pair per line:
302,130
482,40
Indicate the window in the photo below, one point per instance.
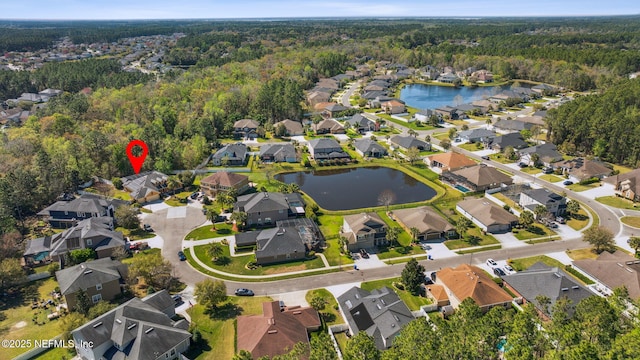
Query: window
89,242
173,352
95,298
99,287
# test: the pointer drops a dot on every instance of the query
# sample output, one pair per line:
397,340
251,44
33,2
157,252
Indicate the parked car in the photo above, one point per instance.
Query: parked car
568,182
499,272
548,170
427,280
552,225
522,165
182,256
194,195
177,299
561,220
244,292
509,268
364,254
485,157
147,227
492,263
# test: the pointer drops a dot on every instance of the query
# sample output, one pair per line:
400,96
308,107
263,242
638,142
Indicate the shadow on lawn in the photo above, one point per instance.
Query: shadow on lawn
224,312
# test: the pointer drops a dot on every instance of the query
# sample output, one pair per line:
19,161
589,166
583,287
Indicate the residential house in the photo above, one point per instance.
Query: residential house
448,78
448,161
372,95
547,153
379,100
137,329
319,96
477,178
66,214
292,128
545,89
468,281
223,181
484,105
364,230
484,76
326,149
278,153
626,185
380,313
276,331
425,115
230,155
146,186
430,224
266,208
245,129
512,126
329,83
393,107
476,135
328,126
447,112
534,119
500,143
583,169
369,148
94,233
499,98
101,279
555,204
613,271
406,142
361,124
487,215
332,110
551,282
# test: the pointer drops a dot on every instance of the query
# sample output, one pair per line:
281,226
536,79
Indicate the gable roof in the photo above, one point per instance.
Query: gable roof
368,146
364,222
614,270
360,121
288,237
275,332
82,204
482,175
514,125
144,331
237,151
268,201
514,140
280,151
548,152
632,178
380,313
584,168
144,184
476,133
89,274
423,218
467,281
323,143
224,178
487,212
543,196
551,282
452,160
246,123
408,141
293,127
328,124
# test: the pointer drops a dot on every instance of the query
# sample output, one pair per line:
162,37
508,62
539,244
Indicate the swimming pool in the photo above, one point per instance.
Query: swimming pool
462,188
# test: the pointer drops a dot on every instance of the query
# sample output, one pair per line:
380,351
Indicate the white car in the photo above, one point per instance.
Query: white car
491,263
509,269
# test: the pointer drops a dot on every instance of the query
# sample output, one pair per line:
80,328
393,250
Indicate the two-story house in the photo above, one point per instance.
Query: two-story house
230,155
245,129
224,181
146,186
326,148
555,204
65,214
364,230
265,208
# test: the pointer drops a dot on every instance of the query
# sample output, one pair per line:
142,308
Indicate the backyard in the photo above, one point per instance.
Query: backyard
330,314
206,232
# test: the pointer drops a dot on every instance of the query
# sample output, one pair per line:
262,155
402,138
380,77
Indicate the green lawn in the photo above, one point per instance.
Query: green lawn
621,169
500,158
330,314
471,251
332,253
506,200
550,178
16,321
135,234
631,221
205,232
578,221
580,187
413,302
122,195
237,264
440,136
536,231
531,170
580,254
525,263
471,146
617,202
464,243
218,332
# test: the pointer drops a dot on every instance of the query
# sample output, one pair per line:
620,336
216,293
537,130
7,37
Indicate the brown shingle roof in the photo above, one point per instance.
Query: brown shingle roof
487,212
483,175
275,332
471,281
224,178
438,292
614,270
424,219
585,169
452,160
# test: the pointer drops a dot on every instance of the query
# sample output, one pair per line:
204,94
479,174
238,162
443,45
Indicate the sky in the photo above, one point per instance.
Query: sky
213,9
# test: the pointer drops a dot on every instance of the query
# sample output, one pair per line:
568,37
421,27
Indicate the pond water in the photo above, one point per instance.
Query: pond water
357,188
423,96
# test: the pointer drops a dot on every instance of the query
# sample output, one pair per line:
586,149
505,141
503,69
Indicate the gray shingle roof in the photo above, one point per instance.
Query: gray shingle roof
514,140
144,184
408,142
268,201
236,151
278,151
367,146
323,143
88,274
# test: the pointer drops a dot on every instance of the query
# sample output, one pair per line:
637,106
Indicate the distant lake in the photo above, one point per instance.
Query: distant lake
358,188
423,96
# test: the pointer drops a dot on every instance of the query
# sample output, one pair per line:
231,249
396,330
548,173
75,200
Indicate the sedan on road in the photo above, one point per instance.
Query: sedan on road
182,256
244,292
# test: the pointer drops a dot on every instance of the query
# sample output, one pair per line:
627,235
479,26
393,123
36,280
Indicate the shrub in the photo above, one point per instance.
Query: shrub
399,286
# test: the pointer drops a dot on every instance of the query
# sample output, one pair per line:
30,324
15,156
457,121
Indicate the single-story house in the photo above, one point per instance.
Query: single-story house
380,313
556,204
468,281
101,279
487,215
365,230
278,153
230,155
276,331
146,186
515,140
477,178
407,141
333,109
245,128
266,208
584,169
476,135
613,271
626,185
426,114
317,97
543,280
448,161
326,148
547,153
361,124
369,148
292,128
512,126
328,126
430,224
137,329
224,181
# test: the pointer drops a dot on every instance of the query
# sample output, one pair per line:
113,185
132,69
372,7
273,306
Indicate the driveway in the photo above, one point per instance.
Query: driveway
603,190
371,263
508,240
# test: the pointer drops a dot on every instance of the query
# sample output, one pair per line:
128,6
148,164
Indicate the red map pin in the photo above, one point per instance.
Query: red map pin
137,161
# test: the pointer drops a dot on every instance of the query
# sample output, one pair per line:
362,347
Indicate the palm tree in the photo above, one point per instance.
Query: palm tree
427,138
392,235
214,250
225,200
412,132
414,233
526,219
540,211
240,217
212,215
462,226
173,183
